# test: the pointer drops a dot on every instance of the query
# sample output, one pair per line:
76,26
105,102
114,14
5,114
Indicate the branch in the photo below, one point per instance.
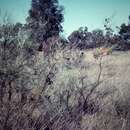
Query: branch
96,84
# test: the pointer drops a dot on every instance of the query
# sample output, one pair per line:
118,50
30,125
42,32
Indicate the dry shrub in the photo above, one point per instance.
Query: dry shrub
42,93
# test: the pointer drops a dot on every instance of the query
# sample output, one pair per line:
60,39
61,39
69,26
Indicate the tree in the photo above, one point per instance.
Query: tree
83,39
124,33
44,20
77,38
22,81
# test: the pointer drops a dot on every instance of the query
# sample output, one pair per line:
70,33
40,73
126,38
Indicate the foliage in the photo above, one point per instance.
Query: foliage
84,39
53,92
57,92
45,20
20,79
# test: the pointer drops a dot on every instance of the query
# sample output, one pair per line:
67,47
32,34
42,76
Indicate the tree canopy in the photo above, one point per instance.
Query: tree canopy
45,19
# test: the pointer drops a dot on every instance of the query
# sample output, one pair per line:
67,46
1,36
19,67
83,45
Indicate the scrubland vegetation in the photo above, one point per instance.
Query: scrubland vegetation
48,82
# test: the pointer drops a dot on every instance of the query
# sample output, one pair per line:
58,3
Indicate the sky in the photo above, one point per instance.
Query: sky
77,13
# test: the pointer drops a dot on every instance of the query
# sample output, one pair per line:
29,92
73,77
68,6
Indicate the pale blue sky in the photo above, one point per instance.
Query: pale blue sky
90,13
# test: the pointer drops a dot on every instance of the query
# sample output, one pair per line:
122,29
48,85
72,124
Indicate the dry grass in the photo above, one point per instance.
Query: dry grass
70,91
112,94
